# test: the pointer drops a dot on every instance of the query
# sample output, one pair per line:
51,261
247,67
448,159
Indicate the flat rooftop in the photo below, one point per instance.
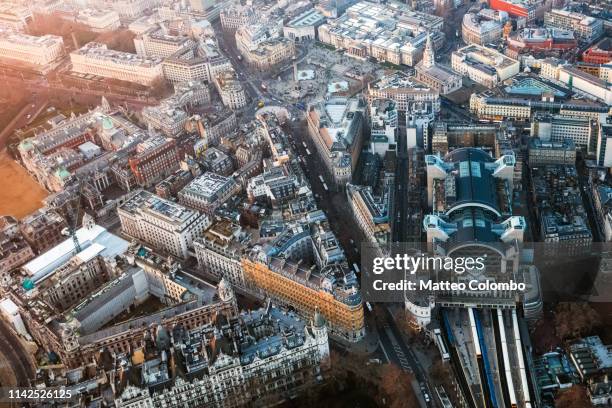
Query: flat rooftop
100,52
16,38
208,186
486,56
148,202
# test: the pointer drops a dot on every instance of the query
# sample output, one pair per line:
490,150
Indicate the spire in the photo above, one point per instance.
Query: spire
318,319
428,55
105,105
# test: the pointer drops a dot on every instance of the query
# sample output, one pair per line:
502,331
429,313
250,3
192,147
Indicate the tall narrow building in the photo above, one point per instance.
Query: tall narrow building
429,59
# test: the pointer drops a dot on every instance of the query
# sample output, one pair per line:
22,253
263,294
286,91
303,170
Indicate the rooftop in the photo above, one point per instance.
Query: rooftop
339,119
16,38
307,18
471,180
581,18
146,202
102,52
209,186
392,26
485,55
94,240
474,23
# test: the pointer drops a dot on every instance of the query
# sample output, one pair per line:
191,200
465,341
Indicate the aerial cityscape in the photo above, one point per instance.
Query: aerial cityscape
330,203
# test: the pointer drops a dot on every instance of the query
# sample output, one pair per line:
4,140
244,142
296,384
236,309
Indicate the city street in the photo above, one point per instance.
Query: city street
401,354
334,203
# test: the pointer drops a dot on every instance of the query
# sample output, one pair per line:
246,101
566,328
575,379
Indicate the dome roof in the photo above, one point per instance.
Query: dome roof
107,123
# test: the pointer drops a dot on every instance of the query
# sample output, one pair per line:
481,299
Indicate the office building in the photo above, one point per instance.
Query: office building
165,117
158,42
542,39
371,213
99,20
170,116
517,8
78,333
276,185
97,59
219,252
262,49
14,252
305,268
484,65
563,218
604,145
418,121
217,161
154,159
30,50
186,65
556,128
548,152
208,192
231,90
586,29
600,53
387,32
213,125
404,90
236,367
384,126
336,127
93,240
42,229
539,98
167,226
238,15
585,83
131,9
209,9
602,203
14,17
475,30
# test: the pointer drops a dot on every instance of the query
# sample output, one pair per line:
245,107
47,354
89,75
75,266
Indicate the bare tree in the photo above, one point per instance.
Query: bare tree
575,397
575,319
396,385
120,40
57,25
160,88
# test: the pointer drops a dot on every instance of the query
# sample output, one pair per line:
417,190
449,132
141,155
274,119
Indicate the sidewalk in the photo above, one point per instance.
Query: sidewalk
365,347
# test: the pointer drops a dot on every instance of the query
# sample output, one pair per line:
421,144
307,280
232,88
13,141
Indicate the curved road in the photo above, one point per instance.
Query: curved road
13,352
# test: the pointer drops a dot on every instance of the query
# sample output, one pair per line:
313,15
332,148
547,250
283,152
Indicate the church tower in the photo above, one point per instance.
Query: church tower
429,58
319,330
